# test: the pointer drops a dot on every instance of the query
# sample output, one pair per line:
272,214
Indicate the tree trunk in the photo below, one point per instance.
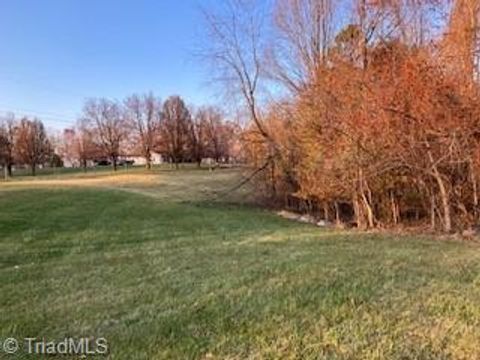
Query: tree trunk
432,212
394,207
34,168
148,160
447,220
474,192
363,20
114,163
368,211
363,187
326,214
357,211
337,213
274,188
9,170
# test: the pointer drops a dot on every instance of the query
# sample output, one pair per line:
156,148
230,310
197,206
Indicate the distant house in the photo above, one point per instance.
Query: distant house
73,163
69,162
157,159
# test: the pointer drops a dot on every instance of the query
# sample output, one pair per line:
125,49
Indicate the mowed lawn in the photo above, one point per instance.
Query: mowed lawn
164,269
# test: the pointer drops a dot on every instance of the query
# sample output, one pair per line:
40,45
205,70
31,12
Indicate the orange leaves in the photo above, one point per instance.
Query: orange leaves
385,122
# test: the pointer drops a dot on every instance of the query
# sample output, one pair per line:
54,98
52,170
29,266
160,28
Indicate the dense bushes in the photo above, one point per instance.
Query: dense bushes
391,133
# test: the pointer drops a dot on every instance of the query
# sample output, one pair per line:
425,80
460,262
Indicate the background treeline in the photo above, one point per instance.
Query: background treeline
378,122
109,130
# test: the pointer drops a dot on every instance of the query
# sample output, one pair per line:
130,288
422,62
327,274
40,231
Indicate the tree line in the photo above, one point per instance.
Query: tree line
109,129
378,120
24,142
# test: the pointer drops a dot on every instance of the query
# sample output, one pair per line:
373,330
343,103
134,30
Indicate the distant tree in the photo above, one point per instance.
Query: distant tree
108,127
66,146
175,125
7,141
143,115
215,133
32,146
210,135
197,137
228,137
55,160
77,145
84,146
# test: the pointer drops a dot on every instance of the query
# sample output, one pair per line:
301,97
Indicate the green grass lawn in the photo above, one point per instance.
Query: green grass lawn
152,264
26,173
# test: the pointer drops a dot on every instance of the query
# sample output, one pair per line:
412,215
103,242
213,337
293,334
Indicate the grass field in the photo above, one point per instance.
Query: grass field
163,269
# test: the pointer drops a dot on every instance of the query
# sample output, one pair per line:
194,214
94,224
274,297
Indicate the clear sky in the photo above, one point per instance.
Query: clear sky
56,53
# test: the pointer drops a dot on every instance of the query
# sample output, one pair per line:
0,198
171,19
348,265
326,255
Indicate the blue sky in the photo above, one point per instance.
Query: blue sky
56,53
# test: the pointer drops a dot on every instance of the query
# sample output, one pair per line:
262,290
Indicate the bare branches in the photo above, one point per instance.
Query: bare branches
32,145
174,129
303,40
235,50
110,128
142,114
7,143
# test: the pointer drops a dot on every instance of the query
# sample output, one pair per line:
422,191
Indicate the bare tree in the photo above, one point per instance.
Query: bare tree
237,44
7,141
66,146
84,145
235,49
197,137
175,124
77,145
108,125
210,135
303,39
462,42
214,132
32,146
143,115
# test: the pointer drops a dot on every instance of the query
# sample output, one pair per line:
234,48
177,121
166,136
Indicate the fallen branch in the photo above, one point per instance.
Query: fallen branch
247,179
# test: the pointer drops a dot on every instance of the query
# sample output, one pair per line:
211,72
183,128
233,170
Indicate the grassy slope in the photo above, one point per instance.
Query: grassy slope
146,262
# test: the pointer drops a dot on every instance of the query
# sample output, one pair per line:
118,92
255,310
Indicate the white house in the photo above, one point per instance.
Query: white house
157,159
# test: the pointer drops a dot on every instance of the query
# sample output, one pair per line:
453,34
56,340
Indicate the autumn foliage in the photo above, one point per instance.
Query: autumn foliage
382,128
